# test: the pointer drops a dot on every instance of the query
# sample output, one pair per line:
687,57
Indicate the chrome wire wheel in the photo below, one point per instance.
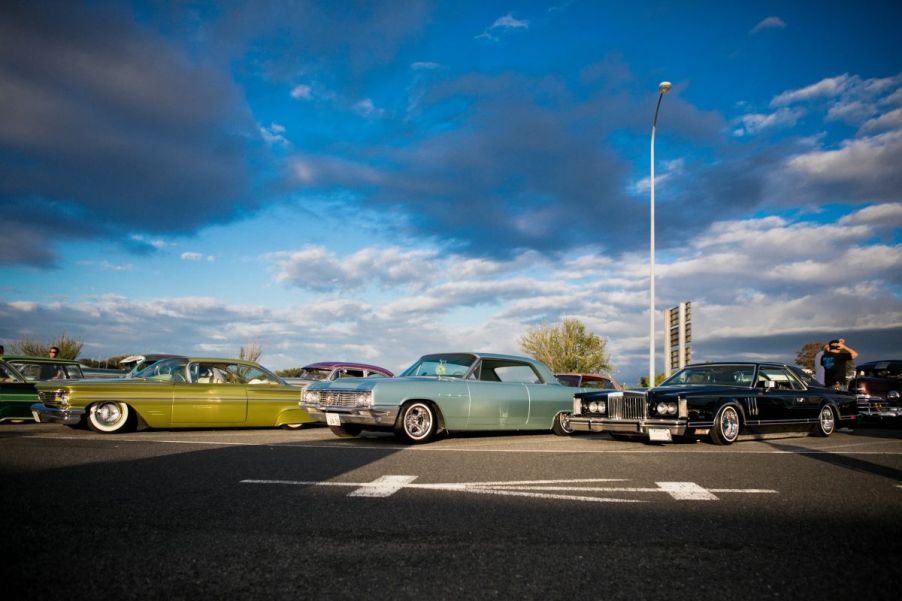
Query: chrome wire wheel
726,426
561,425
826,422
108,416
418,422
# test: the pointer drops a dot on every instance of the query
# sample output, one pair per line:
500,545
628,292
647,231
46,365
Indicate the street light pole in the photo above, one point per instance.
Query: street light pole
663,88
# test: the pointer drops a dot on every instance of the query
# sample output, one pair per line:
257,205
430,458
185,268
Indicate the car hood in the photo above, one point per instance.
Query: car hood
97,383
663,392
363,384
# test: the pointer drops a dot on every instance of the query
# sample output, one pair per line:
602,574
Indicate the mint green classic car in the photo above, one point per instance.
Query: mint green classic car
175,393
446,392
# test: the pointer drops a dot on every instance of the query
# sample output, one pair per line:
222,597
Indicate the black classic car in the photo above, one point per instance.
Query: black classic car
877,385
720,400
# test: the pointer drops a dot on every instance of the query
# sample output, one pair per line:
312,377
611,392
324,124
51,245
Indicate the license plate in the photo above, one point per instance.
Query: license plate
659,434
333,419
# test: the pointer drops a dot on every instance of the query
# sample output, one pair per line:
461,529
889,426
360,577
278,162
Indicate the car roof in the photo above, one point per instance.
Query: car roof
334,364
38,359
480,355
573,373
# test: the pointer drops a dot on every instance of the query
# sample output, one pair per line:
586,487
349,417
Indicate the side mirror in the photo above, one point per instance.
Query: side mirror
769,385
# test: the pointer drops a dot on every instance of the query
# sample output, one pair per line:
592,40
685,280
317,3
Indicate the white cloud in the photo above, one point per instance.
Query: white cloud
670,169
424,66
366,108
881,215
863,159
501,25
769,23
302,92
509,22
273,135
754,123
829,87
191,256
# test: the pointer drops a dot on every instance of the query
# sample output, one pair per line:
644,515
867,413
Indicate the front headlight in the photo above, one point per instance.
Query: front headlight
311,396
666,408
597,407
62,397
365,399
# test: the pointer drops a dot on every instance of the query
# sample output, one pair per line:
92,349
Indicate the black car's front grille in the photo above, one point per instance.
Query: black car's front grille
628,407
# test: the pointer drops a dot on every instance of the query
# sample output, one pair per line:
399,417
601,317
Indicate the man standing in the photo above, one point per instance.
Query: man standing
835,360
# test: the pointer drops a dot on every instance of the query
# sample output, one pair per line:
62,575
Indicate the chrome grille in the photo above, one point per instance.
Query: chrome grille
47,397
628,406
339,398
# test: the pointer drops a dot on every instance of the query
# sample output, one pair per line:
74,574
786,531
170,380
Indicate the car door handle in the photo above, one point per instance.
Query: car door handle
800,399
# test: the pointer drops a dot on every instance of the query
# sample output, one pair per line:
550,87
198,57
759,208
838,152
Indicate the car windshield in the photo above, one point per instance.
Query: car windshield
315,373
165,369
882,369
451,365
706,375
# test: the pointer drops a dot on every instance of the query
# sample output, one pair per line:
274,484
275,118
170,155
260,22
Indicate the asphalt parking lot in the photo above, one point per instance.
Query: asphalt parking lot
268,513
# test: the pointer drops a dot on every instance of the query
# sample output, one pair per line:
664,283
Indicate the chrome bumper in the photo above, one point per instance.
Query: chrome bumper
877,407
581,423
51,415
381,417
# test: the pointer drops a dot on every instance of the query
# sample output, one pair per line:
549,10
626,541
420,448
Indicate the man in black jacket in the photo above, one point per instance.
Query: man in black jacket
836,358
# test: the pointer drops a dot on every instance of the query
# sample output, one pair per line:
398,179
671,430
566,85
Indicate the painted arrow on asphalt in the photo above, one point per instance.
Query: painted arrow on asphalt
569,490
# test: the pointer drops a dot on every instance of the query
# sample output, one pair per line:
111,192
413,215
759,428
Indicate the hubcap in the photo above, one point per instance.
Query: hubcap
108,414
729,423
418,421
827,420
565,422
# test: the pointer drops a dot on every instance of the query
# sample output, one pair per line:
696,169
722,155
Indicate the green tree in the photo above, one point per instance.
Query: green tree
567,347
643,381
805,355
291,372
251,352
69,347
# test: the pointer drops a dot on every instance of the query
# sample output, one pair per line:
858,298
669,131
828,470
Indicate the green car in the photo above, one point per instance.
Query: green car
446,392
17,382
181,392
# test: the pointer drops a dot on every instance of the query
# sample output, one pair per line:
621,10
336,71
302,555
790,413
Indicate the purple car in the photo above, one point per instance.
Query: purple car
333,370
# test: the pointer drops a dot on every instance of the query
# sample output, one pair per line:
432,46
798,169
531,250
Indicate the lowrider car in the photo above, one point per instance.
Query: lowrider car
17,382
333,370
877,385
721,400
597,381
445,392
175,393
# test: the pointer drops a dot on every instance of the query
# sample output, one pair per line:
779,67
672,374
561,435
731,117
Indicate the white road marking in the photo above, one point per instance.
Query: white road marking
385,486
686,491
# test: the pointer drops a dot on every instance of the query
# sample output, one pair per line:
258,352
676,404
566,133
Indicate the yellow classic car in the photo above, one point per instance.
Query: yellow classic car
183,392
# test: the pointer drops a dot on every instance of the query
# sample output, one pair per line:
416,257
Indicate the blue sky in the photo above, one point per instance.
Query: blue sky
372,181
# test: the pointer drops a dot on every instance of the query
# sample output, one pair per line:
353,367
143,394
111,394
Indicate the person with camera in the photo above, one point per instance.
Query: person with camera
835,360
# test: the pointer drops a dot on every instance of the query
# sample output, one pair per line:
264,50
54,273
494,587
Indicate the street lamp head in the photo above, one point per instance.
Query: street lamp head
664,87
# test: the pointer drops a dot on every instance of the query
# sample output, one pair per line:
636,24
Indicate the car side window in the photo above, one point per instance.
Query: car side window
782,379
253,376
6,375
350,373
507,371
